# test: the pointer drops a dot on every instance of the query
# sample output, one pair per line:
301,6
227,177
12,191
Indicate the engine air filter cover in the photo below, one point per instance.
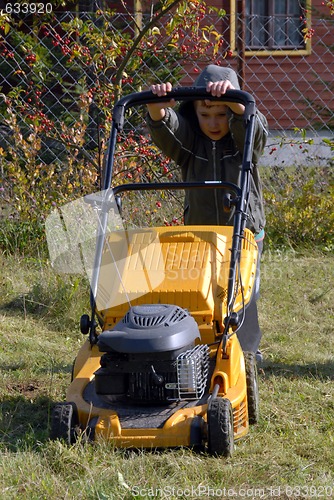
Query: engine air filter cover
151,328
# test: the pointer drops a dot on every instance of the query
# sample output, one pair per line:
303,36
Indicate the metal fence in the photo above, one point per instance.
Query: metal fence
57,89
58,94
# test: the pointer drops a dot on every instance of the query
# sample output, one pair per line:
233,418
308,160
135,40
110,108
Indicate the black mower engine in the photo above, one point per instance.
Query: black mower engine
151,356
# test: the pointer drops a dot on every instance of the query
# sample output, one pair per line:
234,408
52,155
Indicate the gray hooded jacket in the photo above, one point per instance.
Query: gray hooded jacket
179,137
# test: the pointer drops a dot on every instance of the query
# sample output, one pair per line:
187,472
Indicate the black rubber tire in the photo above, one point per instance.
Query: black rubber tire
220,427
252,387
84,324
65,422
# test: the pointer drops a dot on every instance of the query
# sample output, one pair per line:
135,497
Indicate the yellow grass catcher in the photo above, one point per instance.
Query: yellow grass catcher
162,365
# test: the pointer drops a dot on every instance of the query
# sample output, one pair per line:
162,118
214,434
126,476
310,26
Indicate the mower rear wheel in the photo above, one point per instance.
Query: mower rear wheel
65,422
252,387
220,427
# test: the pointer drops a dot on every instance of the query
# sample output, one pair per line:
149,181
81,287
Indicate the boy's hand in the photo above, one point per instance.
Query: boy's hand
217,89
157,110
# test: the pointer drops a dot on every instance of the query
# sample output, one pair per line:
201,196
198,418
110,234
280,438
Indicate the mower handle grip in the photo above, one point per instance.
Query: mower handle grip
181,94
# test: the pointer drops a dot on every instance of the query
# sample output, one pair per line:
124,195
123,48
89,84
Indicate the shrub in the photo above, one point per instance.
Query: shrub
299,206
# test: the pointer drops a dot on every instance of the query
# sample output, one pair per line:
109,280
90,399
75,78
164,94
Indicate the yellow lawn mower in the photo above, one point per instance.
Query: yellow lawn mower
162,365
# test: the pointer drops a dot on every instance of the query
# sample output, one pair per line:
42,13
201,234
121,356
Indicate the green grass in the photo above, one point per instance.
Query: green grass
289,454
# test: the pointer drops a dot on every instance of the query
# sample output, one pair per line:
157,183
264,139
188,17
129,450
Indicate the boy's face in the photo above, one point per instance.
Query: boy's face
212,118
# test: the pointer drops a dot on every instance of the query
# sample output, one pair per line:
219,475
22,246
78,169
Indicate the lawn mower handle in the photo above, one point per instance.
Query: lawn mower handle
186,94
180,94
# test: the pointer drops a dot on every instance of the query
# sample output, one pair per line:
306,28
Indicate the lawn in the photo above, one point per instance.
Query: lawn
289,454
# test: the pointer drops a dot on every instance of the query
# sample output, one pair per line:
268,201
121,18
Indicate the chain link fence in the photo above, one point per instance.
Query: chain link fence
50,113
290,90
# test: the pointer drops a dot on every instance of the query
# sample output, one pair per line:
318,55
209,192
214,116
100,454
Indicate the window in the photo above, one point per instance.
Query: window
274,24
271,25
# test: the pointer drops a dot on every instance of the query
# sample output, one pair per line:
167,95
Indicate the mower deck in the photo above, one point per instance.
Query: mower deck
138,416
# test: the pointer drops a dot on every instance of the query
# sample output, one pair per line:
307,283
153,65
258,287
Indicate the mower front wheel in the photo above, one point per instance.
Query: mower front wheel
65,422
220,427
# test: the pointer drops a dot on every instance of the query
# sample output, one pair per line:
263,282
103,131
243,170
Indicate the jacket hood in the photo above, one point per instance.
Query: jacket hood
213,73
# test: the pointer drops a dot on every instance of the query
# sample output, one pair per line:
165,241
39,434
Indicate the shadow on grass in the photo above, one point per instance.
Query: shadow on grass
318,371
25,411
24,422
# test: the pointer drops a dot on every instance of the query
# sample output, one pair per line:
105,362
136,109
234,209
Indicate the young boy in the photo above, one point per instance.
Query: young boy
206,139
